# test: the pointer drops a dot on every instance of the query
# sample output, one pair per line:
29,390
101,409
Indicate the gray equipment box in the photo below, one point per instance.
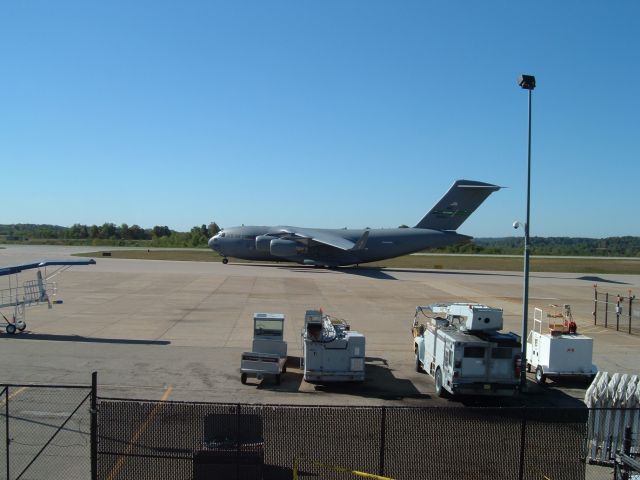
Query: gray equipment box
331,351
269,350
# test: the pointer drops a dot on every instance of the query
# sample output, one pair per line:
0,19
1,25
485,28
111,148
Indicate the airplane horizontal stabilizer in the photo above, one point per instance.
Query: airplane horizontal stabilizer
458,203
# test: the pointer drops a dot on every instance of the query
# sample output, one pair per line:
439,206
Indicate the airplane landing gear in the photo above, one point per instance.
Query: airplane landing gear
225,260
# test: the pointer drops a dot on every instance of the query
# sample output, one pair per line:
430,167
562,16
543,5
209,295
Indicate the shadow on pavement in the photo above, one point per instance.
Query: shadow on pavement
79,338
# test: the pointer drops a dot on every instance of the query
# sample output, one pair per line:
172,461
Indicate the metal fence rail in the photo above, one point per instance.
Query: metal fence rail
46,432
141,439
616,311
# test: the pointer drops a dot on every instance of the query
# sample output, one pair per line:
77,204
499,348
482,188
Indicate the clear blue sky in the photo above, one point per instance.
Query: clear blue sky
318,113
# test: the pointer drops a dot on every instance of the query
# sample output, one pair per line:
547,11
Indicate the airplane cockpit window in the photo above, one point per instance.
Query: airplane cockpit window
221,234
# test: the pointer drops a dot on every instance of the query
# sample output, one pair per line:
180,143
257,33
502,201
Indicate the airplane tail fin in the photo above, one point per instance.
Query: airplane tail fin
458,203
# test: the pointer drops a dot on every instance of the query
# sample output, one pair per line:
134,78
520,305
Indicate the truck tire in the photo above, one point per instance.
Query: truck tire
11,328
243,378
418,364
440,391
541,378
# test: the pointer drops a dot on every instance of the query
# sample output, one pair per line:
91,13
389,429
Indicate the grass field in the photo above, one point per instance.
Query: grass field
437,262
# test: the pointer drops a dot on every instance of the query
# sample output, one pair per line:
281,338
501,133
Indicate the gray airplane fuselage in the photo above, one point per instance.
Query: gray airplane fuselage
336,247
240,242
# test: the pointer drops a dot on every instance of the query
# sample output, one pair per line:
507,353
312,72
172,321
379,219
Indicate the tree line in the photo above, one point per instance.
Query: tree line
163,236
109,234
627,246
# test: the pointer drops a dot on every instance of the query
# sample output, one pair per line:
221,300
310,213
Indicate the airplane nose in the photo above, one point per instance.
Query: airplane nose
212,243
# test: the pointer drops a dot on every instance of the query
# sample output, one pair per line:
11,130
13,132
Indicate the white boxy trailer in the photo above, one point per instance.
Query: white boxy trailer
555,349
269,350
332,352
461,348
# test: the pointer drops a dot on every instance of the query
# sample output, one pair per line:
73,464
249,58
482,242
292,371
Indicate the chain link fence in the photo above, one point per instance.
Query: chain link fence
55,432
45,432
174,440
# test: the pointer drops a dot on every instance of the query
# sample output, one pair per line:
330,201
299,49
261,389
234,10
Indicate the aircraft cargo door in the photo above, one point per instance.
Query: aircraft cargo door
474,362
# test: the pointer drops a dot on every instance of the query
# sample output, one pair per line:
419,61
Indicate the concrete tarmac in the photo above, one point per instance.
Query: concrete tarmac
176,330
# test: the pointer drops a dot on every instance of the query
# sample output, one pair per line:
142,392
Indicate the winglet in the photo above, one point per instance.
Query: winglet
360,244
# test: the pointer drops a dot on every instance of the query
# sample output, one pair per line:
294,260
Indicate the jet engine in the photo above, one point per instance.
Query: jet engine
283,248
263,243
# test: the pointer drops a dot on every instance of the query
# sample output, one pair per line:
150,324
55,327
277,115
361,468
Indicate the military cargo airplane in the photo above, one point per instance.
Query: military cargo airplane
339,247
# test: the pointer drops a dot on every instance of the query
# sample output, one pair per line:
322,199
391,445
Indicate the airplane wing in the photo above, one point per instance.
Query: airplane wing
12,269
323,237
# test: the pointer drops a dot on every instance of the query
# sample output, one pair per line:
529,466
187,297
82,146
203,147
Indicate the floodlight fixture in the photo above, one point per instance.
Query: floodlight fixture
528,82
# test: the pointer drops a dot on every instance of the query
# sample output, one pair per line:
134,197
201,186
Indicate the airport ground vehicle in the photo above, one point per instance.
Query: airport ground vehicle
461,348
556,350
331,351
269,350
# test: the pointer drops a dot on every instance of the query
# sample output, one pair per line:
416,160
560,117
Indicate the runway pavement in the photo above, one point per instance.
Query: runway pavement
151,326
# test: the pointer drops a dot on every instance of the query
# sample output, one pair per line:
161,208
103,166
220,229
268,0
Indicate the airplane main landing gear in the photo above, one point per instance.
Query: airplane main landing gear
225,260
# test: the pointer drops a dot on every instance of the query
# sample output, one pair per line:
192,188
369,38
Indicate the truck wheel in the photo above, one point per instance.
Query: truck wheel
540,376
243,378
11,328
440,391
418,364
284,368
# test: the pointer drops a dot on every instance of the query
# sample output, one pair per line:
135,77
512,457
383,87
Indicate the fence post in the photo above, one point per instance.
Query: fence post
382,437
595,303
626,441
618,310
94,426
523,437
630,304
606,309
237,441
6,416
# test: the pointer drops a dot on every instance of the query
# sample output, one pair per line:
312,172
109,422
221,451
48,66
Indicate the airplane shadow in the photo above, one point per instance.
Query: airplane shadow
80,338
386,273
590,278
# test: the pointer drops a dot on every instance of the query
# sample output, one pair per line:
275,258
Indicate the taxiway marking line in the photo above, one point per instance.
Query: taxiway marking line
122,458
14,394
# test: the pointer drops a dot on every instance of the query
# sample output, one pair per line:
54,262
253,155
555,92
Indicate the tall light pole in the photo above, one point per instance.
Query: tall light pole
527,82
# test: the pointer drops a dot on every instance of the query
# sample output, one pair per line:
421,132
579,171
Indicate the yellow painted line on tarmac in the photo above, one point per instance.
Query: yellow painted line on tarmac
122,458
335,468
14,394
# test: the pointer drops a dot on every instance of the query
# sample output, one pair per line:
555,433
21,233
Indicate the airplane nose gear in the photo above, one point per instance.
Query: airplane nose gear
225,260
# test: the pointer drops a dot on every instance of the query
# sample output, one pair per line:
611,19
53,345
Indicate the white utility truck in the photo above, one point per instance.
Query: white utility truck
269,350
460,346
331,351
556,350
